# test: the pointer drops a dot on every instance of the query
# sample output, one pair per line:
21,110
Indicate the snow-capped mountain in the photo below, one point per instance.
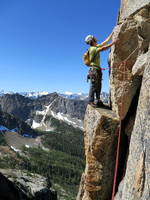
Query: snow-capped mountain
84,96
26,94
3,92
34,95
71,95
67,95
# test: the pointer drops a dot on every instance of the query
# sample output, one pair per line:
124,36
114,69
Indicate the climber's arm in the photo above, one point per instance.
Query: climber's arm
106,41
106,46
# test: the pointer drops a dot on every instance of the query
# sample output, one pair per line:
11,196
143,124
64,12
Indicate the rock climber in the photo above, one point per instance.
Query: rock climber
95,72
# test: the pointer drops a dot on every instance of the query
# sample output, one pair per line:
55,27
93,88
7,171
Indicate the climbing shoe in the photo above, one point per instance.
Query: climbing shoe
100,104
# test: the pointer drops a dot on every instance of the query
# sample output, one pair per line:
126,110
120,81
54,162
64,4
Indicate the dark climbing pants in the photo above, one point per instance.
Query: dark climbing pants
95,84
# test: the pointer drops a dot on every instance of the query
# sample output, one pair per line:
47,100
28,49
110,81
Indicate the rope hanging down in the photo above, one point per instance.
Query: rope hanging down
120,128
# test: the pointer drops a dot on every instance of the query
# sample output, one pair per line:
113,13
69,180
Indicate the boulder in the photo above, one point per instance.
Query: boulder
18,185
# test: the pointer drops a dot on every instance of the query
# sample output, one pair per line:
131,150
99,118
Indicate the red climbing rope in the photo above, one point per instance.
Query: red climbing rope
117,161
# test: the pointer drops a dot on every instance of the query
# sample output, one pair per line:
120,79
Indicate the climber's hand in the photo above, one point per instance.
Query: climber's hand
115,41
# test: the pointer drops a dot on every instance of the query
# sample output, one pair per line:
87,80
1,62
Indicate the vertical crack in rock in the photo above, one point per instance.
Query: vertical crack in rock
135,185
127,128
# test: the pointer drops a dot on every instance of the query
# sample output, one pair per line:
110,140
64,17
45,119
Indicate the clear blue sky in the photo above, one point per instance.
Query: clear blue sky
42,42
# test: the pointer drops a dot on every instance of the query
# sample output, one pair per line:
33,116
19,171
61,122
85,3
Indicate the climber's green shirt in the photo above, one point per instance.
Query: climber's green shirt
94,56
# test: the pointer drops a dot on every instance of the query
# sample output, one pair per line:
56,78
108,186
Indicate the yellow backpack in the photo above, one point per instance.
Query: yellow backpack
86,58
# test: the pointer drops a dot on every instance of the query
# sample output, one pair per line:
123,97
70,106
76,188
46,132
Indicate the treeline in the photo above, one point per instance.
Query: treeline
57,166
64,138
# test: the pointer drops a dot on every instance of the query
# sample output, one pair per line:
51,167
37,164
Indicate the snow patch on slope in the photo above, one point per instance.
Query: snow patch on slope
66,118
35,124
60,116
14,149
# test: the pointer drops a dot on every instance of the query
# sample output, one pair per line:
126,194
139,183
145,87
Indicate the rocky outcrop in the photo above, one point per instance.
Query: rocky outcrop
135,184
133,34
100,126
17,185
129,7
130,100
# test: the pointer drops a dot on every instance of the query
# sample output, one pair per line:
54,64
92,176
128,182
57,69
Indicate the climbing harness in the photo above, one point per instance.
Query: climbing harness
93,74
123,63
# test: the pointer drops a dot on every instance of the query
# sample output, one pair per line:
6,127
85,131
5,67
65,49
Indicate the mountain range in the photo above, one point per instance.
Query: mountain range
68,95
37,112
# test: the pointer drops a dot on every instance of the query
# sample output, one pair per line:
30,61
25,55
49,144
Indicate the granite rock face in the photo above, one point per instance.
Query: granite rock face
100,145
140,64
128,59
137,179
129,7
81,188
